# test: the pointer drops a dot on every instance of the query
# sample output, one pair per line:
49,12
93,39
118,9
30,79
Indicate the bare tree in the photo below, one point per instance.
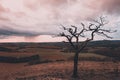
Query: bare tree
74,36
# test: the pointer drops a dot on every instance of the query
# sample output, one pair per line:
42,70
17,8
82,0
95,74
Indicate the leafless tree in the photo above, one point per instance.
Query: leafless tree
74,36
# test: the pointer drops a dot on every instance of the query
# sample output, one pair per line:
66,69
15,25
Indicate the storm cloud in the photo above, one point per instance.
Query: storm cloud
111,6
6,31
43,17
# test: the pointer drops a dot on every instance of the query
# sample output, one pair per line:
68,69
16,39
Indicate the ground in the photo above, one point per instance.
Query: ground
58,71
55,65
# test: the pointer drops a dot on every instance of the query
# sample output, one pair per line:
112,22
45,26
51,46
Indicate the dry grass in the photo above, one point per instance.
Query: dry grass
58,71
61,70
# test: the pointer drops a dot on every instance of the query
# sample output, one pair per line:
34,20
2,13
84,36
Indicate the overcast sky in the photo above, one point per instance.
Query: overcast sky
37,20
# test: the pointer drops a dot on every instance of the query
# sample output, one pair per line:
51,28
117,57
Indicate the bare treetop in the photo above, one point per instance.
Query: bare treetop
74,35
93,28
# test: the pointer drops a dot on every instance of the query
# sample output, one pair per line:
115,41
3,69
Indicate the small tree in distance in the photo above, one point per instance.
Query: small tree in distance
74,36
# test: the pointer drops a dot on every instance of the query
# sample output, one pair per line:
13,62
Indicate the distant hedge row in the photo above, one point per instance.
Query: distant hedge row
18,60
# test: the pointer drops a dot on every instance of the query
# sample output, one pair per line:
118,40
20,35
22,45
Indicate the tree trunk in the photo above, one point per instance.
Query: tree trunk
75,68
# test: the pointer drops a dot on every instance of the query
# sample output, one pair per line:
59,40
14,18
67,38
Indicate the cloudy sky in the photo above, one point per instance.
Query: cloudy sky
37,20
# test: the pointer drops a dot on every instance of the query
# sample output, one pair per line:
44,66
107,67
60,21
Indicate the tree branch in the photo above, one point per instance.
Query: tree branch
93,28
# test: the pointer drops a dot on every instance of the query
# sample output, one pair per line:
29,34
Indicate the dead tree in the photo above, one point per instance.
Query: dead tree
74,36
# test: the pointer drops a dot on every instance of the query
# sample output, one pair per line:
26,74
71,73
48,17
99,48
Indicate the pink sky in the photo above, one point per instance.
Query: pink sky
41,38
37,20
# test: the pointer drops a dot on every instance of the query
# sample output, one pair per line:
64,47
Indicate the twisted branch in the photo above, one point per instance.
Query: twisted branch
92,27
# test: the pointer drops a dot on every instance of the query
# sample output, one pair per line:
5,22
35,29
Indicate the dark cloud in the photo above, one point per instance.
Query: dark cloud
54,2
4,19
36,4
111,6
2,9
6,31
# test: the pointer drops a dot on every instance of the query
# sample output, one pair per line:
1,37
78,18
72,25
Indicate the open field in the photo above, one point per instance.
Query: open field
55,64
58,71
